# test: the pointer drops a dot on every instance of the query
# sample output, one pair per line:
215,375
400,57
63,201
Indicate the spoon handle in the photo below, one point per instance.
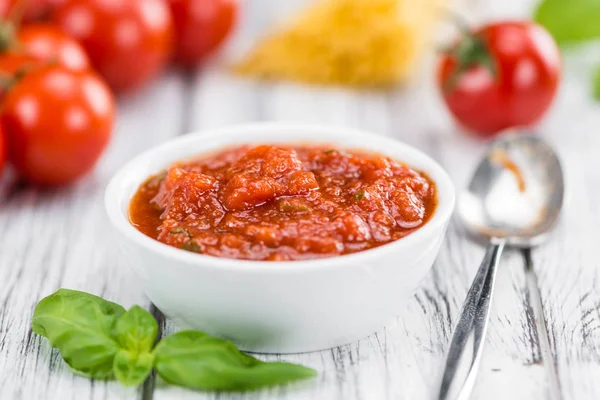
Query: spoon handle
472,325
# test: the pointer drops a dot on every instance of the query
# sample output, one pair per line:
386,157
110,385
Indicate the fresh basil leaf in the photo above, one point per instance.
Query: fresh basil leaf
200,361
597,83
570,21
82,327
137,330
132,368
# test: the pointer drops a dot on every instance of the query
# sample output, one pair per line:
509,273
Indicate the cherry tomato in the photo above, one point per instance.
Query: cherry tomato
48,43
57,124
201,26
40,45
128,41
500,76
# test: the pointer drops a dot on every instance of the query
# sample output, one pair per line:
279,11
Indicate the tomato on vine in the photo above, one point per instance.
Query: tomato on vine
499,76
47,43
36,46
201,26
128,41
57,123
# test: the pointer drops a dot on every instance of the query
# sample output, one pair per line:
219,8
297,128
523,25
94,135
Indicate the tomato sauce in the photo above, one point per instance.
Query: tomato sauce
281,203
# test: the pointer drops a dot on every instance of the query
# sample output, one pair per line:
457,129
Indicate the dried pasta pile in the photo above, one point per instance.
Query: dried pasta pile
347,42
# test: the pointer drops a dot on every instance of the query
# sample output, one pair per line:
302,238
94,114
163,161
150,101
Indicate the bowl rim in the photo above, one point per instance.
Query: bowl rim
120,220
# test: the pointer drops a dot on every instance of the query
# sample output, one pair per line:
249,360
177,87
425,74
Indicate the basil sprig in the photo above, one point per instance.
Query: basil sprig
99,339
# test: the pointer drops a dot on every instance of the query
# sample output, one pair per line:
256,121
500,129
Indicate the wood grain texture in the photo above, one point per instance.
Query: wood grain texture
62,239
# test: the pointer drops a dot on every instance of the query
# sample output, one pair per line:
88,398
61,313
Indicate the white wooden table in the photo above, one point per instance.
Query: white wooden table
53,239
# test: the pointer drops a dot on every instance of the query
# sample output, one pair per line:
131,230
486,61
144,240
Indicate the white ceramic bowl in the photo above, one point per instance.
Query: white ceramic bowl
279,307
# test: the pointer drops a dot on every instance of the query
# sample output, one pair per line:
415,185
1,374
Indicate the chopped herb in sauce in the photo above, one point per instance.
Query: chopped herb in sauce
192,246
358,196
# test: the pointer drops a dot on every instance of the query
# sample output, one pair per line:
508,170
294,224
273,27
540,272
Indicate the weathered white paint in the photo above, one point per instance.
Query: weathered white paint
72,246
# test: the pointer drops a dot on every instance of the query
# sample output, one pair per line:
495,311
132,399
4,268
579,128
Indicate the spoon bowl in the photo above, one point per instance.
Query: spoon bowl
516,193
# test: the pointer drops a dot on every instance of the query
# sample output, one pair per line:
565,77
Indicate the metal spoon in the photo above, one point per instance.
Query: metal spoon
514,199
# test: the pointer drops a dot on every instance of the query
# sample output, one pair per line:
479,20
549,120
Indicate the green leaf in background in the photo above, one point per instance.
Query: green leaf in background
132,368
200,361
137,330
82,327
570,20
597,83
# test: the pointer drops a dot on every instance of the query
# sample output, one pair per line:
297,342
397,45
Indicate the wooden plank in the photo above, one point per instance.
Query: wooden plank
568,271
61,238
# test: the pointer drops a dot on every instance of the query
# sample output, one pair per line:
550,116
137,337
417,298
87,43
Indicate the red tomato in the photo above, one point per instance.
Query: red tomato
39,45
201,26
500,76
57,124
128,41
50,44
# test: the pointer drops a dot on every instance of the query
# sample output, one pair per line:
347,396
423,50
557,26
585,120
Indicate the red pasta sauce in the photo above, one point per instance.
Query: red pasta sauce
283,203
